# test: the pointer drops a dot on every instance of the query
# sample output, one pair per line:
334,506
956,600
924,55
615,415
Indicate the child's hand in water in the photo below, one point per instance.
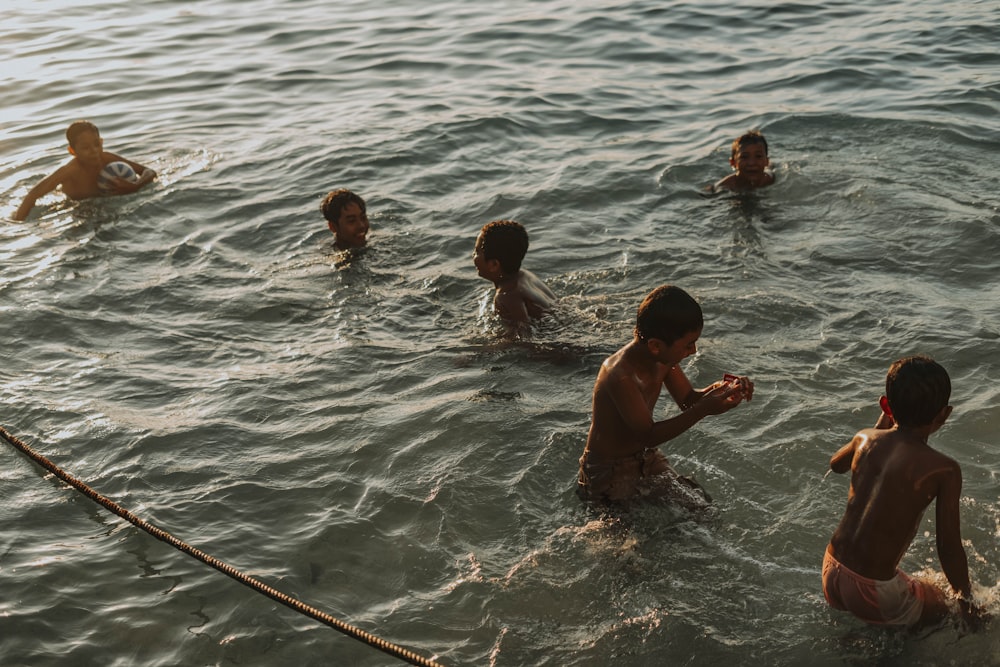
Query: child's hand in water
974,616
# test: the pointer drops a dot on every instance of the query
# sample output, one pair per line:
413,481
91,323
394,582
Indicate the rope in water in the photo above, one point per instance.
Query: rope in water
228,570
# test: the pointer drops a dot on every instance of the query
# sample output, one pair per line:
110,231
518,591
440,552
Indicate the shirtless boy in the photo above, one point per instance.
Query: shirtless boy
749,159
78,177
895,475
520,295
621,461
347,217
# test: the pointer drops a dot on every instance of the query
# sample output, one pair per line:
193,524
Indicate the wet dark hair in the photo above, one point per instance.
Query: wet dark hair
917,388
751,137
668,313
335,202
505,241
79,127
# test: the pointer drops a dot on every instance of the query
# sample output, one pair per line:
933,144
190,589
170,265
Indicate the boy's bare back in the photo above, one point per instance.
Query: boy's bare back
895,475
523,298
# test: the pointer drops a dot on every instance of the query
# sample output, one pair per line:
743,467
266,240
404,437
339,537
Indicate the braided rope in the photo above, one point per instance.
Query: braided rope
228,570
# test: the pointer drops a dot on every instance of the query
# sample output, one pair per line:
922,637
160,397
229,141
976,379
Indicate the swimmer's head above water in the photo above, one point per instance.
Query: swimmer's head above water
347,217
668,313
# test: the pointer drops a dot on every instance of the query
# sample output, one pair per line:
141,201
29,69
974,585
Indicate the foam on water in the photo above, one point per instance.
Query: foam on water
351,427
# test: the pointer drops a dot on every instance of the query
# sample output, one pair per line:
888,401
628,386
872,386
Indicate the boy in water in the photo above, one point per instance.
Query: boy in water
78,177
895,475
521,295
347,217
749,159
621,461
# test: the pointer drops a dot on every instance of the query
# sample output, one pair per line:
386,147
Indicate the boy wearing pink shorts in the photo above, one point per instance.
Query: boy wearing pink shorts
895,475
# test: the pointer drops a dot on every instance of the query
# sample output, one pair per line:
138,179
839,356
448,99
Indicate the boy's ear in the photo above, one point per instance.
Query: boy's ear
732,162
71,151
655,346
942,416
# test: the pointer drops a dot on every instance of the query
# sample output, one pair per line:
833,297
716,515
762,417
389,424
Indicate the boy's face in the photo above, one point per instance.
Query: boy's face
673,353
89,149
351,230
750,159
487,268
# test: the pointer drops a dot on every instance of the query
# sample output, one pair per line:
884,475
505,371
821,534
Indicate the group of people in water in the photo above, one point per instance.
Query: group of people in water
895,474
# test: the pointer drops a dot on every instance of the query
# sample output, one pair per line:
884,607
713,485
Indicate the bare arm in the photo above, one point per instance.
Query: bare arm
146,175
680,388
841,461
44,187
510,306
686,396
725,183
949,532
638,418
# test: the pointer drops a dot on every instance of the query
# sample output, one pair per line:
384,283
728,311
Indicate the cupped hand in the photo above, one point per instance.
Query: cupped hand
722,397
746,385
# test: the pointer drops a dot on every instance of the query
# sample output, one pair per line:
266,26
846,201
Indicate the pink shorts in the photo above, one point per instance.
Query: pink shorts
898,601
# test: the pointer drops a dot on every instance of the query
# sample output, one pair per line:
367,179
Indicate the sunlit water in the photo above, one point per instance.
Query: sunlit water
355,432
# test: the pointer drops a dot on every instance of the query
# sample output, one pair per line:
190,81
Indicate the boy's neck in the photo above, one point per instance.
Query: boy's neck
921,434
507,280
639,352
94,169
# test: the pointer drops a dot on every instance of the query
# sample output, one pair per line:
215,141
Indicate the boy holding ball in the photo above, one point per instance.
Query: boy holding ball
79,176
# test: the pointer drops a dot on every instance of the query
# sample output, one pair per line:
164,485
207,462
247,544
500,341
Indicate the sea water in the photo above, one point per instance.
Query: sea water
356,431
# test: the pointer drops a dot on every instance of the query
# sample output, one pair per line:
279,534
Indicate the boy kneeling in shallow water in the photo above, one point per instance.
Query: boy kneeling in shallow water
621,461
895,475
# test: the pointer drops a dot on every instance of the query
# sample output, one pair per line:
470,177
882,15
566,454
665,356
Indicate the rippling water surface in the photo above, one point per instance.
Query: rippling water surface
354,430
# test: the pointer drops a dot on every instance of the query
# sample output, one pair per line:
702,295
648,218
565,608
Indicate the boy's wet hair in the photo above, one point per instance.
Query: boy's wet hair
917,388
505,241
668,313
78,128
751,137
335,202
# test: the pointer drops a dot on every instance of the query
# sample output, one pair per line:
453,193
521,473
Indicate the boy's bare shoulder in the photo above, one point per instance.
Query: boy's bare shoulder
737,182
67,171
727,183
508,295
941,462
912,456
610,366
620,369
509,303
